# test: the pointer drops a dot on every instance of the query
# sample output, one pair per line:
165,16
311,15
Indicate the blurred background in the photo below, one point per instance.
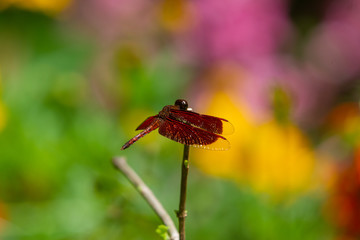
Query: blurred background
77,77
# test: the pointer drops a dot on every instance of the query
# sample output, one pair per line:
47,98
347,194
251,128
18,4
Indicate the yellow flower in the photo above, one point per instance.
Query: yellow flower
47,6
269,157
282,159
2,111
174,15
2,116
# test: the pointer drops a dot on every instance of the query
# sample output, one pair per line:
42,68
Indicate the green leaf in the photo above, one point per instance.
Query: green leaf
162,231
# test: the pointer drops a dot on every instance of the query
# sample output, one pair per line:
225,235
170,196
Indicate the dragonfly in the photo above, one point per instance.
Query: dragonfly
178,123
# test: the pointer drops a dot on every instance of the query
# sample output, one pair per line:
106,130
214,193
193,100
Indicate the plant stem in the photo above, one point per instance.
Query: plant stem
144,190
181,214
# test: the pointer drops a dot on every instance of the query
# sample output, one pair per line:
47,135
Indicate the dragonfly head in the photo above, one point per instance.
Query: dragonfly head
182,104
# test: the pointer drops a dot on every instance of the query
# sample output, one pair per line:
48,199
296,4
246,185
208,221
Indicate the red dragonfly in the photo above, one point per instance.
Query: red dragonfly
187,127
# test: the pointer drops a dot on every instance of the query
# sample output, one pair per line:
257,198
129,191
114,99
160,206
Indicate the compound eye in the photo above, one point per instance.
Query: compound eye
182,104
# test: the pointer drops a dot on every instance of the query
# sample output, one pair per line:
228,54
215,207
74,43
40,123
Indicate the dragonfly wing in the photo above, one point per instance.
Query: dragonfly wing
206,122
147,122
192,136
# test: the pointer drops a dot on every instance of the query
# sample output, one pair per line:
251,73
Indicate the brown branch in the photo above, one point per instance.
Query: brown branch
181,214
121,164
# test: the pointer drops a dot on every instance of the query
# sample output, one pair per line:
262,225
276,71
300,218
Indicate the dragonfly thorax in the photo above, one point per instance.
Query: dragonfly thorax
165,112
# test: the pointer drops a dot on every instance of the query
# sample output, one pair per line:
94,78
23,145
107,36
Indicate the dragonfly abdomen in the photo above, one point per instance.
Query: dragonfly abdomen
140,135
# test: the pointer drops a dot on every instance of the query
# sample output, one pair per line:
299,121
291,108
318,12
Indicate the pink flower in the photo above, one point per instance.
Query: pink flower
111,20
239,30
335,45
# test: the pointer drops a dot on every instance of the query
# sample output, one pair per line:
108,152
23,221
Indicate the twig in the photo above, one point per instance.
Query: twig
181,214
121,164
